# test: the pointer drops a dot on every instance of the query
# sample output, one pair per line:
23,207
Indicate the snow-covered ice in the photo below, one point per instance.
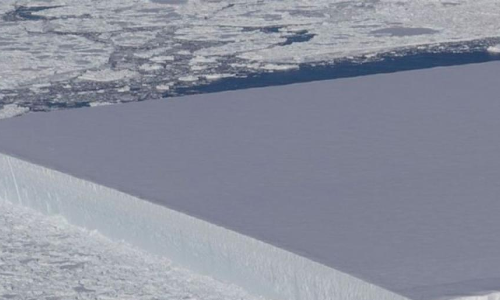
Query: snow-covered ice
46,258
107,75
494,49
54,41
378,187
12,110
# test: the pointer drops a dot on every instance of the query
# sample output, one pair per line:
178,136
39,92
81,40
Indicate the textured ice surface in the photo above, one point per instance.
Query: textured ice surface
390,178
56,42
46,258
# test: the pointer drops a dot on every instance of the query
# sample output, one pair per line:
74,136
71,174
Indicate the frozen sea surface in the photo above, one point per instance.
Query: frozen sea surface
58,54
45,258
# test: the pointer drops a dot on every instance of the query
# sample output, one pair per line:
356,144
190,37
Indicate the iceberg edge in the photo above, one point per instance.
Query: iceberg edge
260,268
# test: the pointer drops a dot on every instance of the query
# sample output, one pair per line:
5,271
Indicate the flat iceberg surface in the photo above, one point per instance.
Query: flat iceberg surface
46,258
391,179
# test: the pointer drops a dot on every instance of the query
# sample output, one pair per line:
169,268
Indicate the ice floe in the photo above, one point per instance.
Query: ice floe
12,110
107,75
494,49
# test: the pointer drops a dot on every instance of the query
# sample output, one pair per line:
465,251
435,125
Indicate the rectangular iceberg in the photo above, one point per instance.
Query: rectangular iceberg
379,187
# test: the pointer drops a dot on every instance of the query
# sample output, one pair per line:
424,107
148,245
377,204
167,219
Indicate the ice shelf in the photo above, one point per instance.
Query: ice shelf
379,187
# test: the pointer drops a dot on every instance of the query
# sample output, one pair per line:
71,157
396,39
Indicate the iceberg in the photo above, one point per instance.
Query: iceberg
378,187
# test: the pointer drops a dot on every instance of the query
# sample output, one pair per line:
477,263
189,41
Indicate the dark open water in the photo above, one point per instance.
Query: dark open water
385,63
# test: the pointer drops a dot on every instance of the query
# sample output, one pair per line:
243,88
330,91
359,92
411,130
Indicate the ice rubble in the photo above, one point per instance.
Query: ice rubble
260,268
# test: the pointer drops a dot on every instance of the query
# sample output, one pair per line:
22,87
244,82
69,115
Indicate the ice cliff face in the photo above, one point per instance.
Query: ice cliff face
260,268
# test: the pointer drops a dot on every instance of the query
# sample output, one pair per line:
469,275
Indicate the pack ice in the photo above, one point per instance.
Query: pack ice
380,187
62,54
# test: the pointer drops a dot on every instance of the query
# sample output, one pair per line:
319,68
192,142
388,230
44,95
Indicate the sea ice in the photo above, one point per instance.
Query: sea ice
12,110
494,49
107,75
56,41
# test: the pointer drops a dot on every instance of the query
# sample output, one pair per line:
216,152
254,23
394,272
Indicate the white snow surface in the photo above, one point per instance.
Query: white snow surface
46,258
361,188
